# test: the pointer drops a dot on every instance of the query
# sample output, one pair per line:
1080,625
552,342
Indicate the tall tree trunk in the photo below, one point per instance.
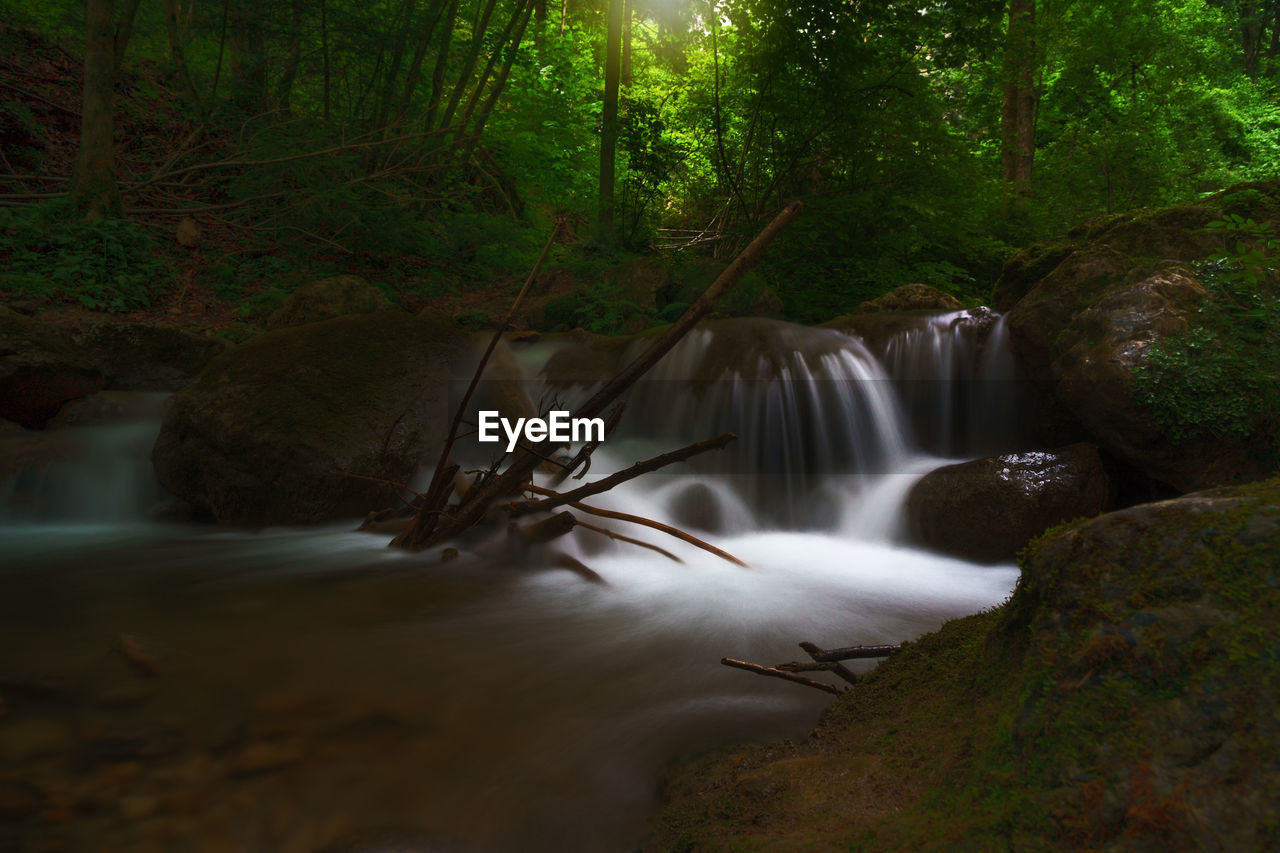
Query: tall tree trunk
609,125
442,64
1018,116
124,30
178,68
469,65
627,13
94,192
1250,35
284,89
324,48
248,45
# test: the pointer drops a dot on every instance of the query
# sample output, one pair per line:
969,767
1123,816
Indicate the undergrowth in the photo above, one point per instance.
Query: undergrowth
49,257
1222,376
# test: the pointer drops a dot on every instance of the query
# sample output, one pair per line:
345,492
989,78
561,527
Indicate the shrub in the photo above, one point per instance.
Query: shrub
106,264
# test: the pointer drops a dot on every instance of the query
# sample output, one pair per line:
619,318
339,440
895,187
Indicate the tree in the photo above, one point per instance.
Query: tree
94,191
1018,115
609,124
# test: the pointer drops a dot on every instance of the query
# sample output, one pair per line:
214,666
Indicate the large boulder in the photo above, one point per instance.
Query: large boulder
1122,700
41,369
912,297
1086,311
327,298
987,510
271,432
144,357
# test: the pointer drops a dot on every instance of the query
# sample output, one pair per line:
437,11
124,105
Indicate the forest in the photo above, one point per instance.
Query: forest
936,339
433,144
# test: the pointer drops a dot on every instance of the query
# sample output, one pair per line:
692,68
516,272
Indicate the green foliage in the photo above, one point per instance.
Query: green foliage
1222,377
599,308
107,265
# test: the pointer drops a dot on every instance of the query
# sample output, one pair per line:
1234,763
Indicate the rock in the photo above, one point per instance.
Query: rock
108,407
1102,296
269,431
1152,629
698,507
188,233
988,510
328,298
912,297
41,369
144,357
267,756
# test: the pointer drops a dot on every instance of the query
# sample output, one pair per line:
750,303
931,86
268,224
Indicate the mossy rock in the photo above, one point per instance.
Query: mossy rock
1122,700
145,357
1087,308
41,369
912,297
270,431
987,510
326,299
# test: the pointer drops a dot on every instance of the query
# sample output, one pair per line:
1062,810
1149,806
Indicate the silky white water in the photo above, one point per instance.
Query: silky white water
499,707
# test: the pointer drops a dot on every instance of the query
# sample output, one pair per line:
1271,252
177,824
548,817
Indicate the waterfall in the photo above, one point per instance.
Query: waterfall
93,466
834,426
957,381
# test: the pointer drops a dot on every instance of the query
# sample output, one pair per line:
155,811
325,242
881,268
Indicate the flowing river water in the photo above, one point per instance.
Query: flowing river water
317,690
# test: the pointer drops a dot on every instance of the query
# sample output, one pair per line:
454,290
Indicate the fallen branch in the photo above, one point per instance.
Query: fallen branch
561,560
426,534
620,538
425,522
658,525
778,673
837,668
849,652
555,499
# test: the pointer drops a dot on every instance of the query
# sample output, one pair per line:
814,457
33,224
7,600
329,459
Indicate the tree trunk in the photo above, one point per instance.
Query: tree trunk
94,192
124,30
628,12
248,46
178,67
609,126
1018,116
1250,35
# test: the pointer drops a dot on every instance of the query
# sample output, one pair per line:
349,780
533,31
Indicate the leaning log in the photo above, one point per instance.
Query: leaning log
425,532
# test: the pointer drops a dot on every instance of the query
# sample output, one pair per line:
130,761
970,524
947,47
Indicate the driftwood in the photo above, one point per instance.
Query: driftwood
584,455
561,560
848,652
824,660
431,528
776,672
646,522
607,483
620,538
438,491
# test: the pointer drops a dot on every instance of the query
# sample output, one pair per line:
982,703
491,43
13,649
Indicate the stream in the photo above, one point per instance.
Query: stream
319,691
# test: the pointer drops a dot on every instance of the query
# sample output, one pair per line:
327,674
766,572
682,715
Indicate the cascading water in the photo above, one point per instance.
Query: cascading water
517,709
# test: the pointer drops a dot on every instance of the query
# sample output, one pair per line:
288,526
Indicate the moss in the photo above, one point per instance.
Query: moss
1122,697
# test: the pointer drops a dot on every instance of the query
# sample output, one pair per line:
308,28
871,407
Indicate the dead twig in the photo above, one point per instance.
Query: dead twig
778,673
603,485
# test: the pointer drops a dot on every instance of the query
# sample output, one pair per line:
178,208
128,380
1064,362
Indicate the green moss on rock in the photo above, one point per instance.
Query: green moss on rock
1123,699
